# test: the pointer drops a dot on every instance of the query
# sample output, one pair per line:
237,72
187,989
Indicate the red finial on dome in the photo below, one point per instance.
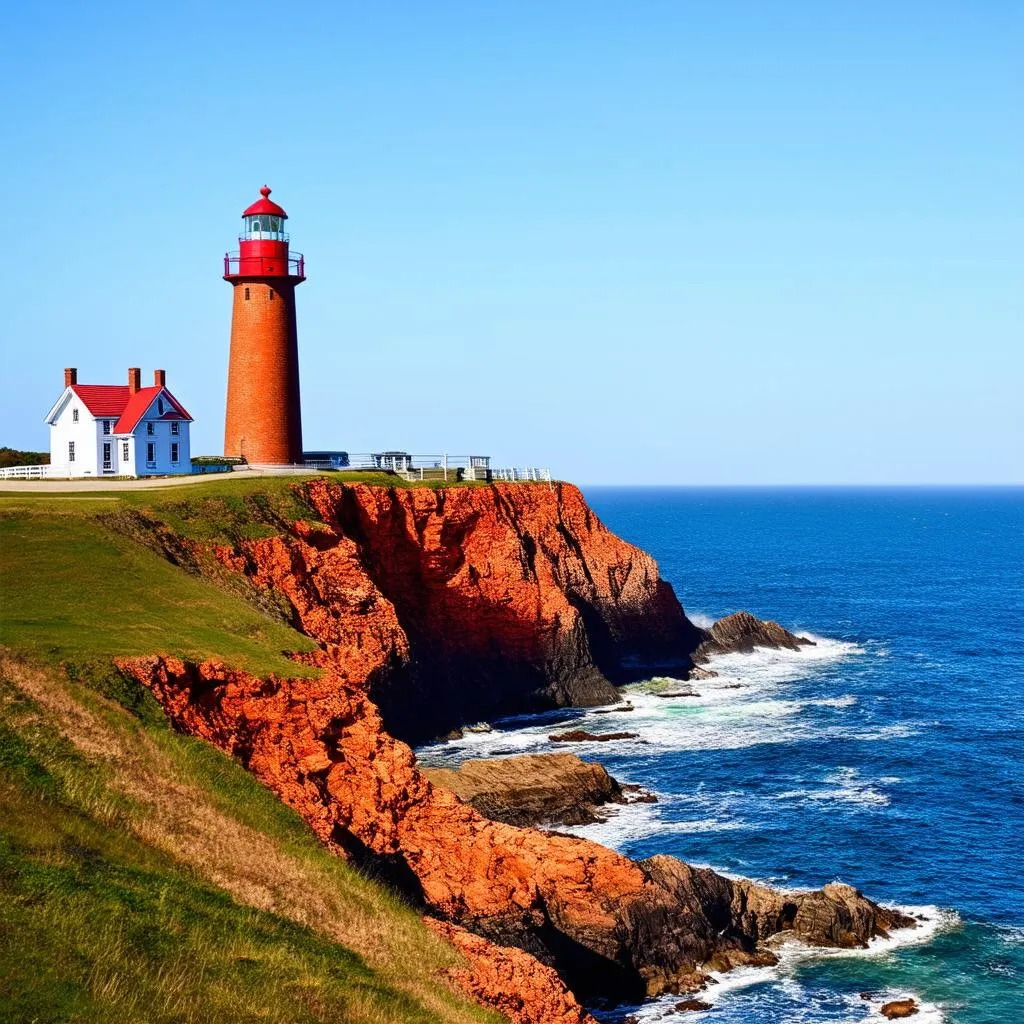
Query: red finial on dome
265,205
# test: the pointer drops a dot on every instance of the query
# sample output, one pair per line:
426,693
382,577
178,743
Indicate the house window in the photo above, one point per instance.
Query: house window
106,426
150,454
106,455
71,451
160,403
124,451
174,452
175,428
74,415
150,429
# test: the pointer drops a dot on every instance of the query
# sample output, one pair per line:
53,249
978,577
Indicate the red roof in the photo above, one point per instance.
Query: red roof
116,400
103,399
264,205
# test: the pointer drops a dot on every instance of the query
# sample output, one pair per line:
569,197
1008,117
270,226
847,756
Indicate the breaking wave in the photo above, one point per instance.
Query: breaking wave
783,984
744,705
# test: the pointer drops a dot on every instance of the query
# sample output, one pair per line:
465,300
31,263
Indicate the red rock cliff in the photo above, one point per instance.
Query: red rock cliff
413,596
611,927
476,601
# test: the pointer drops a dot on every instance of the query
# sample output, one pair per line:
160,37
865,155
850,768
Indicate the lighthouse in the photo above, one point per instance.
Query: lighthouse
263,423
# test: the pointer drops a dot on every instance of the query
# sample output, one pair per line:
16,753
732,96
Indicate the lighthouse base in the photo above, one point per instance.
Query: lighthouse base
263,424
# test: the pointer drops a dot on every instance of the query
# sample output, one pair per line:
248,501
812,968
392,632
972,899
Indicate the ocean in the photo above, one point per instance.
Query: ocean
889,755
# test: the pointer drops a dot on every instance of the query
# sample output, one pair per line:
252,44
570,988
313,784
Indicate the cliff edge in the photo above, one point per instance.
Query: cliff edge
471,603
436,607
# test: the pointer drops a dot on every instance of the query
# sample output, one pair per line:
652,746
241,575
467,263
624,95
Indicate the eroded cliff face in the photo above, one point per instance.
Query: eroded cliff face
433,608
473,602
610,927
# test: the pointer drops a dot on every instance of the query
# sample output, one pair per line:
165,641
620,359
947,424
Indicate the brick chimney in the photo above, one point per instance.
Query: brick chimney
70,376
134,379
160,378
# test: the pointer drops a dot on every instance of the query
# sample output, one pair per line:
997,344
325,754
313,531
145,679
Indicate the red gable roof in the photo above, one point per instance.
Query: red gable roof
103,399
116,400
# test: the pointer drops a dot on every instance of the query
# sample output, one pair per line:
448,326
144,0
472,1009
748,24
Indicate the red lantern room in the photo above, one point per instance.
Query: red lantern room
263,244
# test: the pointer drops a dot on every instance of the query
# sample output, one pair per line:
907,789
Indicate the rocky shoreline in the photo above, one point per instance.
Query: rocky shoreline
537,789
434,609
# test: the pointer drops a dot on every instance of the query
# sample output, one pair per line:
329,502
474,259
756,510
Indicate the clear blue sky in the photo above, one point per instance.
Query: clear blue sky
678,242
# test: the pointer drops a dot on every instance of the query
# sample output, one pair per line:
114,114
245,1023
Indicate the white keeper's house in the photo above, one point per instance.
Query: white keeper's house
118,429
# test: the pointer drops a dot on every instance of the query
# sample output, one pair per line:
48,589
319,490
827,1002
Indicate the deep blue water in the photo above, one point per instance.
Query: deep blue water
889,756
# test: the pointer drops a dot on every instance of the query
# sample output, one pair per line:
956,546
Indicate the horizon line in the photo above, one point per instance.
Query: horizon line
1001,485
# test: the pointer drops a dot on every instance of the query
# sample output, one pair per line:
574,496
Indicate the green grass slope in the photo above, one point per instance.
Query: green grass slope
144,876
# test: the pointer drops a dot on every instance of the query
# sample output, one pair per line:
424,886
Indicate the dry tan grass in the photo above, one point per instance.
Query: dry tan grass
183,821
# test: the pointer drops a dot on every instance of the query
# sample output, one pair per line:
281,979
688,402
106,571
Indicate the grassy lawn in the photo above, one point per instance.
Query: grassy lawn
72,589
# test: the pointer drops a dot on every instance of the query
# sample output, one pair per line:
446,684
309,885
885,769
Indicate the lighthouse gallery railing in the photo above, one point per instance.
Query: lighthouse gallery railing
232,265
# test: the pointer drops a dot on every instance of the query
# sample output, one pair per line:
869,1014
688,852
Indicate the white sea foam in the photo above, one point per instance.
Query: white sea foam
846,701
898,731
793,954
1012,935
844,786
622,826
780,665
930,921
745,705
673,814
701,620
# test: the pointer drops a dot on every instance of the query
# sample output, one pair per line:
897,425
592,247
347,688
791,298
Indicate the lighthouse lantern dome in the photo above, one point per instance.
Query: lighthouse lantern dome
264,219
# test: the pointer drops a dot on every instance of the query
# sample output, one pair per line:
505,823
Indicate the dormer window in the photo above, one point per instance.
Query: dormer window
74,415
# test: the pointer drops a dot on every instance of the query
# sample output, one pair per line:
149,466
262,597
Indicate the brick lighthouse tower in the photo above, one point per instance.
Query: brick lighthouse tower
264,418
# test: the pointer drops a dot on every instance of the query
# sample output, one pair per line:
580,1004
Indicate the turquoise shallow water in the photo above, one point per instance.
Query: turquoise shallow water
888,756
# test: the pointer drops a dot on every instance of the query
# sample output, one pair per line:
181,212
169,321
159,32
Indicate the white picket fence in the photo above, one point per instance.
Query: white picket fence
34,473
412,467
514,474
469,467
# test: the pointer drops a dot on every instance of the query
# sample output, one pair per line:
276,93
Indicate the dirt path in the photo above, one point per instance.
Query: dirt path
99,485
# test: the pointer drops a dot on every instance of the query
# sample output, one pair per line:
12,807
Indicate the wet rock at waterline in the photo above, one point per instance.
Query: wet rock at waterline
534,789
582,736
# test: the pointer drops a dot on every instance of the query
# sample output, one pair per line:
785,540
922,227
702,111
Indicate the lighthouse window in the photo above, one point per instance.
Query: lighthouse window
246,294
264,227
271,292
